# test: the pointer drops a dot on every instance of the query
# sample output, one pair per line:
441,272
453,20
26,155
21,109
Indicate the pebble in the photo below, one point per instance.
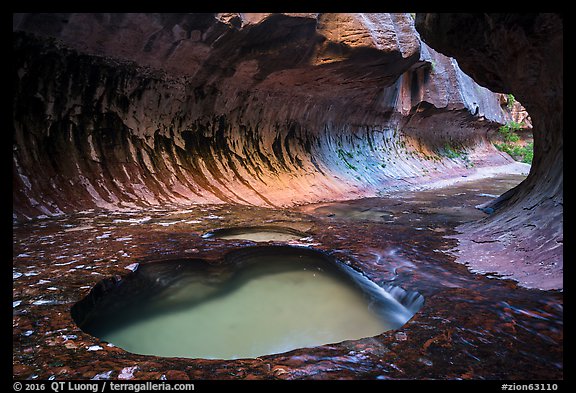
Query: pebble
132,266
65,263
104,375
43,302
166,224
401,336
127,372
425,361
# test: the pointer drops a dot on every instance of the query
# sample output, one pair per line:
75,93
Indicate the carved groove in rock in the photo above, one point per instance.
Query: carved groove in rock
285,109
127,121
520,54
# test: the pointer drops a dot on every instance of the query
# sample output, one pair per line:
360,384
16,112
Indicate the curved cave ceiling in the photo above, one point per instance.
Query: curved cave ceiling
282,109
140,138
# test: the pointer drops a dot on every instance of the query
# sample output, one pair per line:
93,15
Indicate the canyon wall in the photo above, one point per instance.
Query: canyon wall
123,111
520,54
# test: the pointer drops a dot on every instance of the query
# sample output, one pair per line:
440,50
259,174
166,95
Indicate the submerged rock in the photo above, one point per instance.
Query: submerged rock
272,299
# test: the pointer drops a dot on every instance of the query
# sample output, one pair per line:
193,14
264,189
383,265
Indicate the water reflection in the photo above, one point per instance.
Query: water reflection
263,233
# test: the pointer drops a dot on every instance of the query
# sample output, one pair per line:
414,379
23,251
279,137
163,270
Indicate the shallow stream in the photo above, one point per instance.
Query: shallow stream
471,326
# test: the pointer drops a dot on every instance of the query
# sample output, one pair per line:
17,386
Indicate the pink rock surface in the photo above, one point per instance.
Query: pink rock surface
521,55
272,110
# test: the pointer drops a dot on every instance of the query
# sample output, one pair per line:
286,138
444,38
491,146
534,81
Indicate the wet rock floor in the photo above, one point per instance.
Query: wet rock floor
471,326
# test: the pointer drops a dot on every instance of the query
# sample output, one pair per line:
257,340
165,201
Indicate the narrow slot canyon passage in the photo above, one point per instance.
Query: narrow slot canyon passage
287,196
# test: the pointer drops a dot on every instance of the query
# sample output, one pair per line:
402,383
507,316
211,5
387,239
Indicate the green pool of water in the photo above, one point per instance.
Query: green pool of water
272,304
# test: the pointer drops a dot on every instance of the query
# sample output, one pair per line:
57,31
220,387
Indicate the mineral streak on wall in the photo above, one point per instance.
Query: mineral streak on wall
133,110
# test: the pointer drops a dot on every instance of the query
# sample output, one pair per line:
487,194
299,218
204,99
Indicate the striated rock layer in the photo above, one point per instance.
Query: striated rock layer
122,111
519,54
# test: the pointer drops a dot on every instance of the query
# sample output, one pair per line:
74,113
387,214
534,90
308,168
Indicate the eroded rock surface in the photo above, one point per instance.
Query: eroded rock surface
470,327
520,54
152,129
124,111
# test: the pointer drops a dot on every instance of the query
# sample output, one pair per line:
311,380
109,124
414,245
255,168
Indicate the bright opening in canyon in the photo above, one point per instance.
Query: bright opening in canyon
287,196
